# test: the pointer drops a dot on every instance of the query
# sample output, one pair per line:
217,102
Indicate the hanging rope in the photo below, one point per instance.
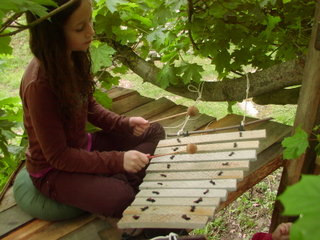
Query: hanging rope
245,103
197,90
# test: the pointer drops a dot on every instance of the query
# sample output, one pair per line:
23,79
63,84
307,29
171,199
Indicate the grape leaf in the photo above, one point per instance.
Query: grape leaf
4,45
166,75
302,199
191,73
101,57
306,228
295,145
102,98
113,4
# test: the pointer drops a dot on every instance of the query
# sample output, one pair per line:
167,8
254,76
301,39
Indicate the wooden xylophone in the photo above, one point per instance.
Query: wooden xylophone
183,190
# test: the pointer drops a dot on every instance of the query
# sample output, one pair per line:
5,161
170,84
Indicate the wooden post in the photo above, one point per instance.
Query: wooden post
307,116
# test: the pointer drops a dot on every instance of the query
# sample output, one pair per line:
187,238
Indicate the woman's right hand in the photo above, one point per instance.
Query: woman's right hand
134,161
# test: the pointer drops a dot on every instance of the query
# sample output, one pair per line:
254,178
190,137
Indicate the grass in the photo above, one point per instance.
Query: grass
13,67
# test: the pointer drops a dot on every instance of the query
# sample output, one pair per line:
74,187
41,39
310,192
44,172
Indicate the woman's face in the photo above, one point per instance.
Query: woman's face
78,28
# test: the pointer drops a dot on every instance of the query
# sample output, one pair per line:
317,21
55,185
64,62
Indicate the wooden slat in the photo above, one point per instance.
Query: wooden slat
12,218
190,210
7,201
156,201
170,112
213,147
196,175
275,132
40,229
228,184
214,156
217,137
91,231
163,221
171,193
198,166
117,93
151,109
128,103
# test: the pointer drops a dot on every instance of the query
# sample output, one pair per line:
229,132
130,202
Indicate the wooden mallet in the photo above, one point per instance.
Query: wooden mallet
191,149
192,111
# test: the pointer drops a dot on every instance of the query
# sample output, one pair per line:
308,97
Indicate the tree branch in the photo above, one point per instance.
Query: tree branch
262,82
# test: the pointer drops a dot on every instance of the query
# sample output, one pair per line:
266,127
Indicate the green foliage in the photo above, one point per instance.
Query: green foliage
295,145
11,151
302,199
233,34
101,56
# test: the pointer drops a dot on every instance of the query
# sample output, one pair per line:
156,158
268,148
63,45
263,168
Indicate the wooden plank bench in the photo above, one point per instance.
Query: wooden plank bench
15,224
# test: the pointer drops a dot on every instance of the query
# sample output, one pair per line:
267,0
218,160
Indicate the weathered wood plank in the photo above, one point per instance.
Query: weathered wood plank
163,221
213,147
12,218
187,201
228,184
217,137
117,93
40,229
213,156
90,231
26,231
190,210
196,175
176,193
198,166
129,102
151,109
7,201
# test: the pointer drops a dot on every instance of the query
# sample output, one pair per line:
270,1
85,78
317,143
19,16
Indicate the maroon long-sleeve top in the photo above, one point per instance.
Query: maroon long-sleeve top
58,144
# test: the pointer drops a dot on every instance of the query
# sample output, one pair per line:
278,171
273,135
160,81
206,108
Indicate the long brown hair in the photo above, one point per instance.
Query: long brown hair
71,84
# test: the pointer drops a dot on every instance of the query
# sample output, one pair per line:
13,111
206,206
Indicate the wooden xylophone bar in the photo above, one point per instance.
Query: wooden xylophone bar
183,190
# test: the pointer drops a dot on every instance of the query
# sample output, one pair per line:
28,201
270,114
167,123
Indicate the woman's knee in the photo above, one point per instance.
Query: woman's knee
118,204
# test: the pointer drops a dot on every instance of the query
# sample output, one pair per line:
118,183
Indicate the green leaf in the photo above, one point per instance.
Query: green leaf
101,56
10,100
302,197
166,75
125,36
295,145
102,98
161,15
191,73
157,35
113,4
271,23
306,227
176,4
5,47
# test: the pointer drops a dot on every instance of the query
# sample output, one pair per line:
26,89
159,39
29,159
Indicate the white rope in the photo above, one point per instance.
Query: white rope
171,236
197,90
245,103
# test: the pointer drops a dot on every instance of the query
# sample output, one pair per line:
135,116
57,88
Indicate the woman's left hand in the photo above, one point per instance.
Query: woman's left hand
139,125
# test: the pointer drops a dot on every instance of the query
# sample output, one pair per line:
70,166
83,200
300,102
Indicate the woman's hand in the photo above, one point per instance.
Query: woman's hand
139,125
134,161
